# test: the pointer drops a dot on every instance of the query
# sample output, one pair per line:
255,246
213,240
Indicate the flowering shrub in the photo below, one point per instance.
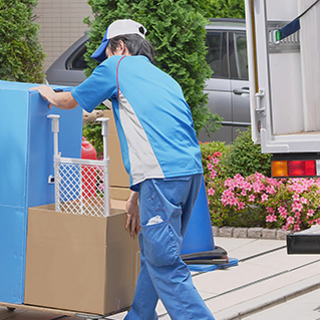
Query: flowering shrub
257,200
291,204
214,176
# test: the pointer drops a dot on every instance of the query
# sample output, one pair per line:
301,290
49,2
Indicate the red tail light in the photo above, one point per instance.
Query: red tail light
302,168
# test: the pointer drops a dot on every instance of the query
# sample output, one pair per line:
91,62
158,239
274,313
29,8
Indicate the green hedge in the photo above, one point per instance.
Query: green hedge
21,56
226,8
246,158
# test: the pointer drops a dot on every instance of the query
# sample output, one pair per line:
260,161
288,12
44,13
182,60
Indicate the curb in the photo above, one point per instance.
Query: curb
268,301
251,233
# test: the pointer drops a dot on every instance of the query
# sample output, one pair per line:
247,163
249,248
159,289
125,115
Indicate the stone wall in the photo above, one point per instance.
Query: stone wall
254,233
61,24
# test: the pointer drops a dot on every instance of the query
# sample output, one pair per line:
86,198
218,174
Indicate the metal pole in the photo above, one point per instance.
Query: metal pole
55,130
104,133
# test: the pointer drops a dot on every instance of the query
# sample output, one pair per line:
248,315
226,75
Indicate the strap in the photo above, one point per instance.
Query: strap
118,76
292,26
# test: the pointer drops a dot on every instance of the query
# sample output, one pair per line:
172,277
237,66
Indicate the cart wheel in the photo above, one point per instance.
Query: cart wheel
11,309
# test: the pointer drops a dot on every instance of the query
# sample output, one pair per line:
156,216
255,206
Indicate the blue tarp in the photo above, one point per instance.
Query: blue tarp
26,161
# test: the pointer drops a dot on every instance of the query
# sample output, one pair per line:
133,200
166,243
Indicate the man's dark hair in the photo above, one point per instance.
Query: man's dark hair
135,44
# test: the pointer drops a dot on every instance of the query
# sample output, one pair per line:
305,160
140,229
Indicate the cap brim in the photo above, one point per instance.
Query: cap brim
100,53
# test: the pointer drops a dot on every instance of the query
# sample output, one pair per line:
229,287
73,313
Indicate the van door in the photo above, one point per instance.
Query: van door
239,82
218,86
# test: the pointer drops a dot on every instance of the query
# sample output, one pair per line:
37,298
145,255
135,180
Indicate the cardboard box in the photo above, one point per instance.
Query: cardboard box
118,204
118,176
80,263
118,193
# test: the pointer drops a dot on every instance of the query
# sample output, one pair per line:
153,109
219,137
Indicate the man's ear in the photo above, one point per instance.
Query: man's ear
123,50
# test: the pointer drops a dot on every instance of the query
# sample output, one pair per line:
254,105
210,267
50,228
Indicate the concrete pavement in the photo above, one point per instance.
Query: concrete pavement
302,307
266,278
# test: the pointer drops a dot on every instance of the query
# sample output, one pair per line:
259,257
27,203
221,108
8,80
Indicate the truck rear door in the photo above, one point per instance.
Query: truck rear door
284,76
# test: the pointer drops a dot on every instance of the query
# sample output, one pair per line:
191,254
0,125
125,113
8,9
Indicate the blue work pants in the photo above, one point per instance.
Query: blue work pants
165,209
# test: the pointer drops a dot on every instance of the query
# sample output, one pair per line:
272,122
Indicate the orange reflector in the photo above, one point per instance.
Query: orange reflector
302,168
279,168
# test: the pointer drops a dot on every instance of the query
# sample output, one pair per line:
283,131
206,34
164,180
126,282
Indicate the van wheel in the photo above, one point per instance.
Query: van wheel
11,309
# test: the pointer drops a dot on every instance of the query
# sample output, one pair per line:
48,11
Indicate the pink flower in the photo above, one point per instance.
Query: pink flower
241,205
251,198
230,183
238,178
245,185
264,197
244,193
234,201
213,174
296,207
211,192
229,198
296,197
304,200
215,160
290,220
210,166
310,213
258,186
258,176
270,210
296,227
283,212
273,182
271,218
227,182
285,228
228,193
271,190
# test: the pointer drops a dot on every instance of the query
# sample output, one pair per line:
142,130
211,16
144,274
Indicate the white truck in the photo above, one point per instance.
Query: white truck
284,71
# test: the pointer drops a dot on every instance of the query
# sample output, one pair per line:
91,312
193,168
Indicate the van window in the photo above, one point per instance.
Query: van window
238,56
217,54
78,61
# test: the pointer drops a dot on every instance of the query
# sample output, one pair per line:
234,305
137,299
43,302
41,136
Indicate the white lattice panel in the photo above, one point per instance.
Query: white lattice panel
80,188
81,185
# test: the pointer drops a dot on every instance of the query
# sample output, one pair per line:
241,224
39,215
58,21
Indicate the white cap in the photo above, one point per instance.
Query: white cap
121,27
118,28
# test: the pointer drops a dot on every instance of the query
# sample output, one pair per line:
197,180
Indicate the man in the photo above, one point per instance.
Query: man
162,155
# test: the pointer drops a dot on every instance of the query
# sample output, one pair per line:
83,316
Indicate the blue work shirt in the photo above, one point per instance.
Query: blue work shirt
153,120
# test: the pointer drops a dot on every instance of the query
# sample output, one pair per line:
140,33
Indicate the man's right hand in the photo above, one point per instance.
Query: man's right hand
133,216
61,100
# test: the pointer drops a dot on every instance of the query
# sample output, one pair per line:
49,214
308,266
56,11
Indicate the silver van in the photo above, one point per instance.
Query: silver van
228,88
